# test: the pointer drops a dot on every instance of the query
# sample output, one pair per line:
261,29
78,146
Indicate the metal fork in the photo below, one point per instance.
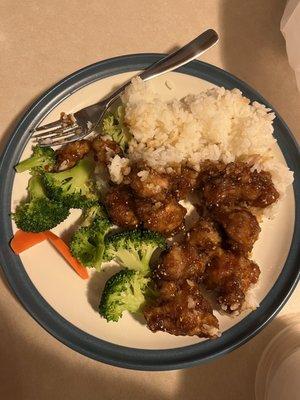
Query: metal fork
74,127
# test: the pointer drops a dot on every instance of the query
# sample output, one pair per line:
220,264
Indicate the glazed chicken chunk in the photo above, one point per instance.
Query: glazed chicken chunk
185,182
166,289
105,149
68,155
241,229
236,183
230,276
182,261
165,217
204,235
187,312
149,184
121,208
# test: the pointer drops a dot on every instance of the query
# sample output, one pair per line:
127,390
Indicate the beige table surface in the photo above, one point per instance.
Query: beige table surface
43,41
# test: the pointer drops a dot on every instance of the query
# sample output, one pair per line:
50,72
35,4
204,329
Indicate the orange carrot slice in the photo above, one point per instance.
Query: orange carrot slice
24,240
64,250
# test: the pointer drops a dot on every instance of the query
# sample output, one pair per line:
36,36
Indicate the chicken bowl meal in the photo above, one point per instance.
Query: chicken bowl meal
173,194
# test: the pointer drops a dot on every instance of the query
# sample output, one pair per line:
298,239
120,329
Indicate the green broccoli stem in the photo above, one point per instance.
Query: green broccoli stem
91,213
87,243
74,187
76,176
35,187
99,255
131,259
147,257
28,164
40,158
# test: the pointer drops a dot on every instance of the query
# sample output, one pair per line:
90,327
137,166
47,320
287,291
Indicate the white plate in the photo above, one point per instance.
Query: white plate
72,297
67,306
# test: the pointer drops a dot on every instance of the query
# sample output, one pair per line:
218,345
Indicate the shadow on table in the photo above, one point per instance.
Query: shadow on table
251,36
7,286
29,370
232,375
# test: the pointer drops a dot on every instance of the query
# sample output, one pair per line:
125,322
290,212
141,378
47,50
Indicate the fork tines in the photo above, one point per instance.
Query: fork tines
47,134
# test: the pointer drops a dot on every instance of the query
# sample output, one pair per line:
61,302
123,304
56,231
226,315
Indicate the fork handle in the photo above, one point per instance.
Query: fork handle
174,60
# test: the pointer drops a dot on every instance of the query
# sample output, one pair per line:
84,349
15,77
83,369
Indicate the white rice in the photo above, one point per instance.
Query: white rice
217,124
118,168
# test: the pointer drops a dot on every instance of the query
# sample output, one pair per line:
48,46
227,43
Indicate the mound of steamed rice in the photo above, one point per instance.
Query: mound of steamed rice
217,124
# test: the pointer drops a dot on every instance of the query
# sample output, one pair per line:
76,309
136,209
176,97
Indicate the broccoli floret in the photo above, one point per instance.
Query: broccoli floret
133,249
113,125
123,291
94,214
73,187
41,158
87,243
39,213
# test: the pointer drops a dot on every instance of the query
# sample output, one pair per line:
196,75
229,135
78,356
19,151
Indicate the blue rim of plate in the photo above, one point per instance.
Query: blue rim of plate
79,340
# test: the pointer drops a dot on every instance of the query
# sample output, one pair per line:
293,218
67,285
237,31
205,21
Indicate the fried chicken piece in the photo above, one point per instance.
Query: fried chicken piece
241,228
230,276
105,149
185,313
68,155
235,184
67,120
185,182
204,235
182,261
259,190
121,208
147,183
165,217
210,170
166,289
